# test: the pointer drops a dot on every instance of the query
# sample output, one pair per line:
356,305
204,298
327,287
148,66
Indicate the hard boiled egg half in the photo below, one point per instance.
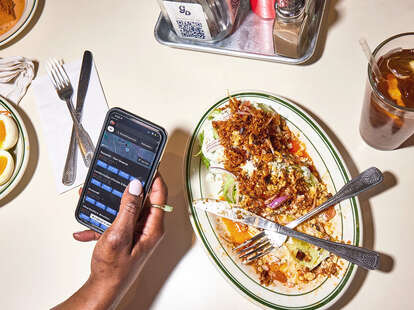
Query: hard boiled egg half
9,135
6,166
8,132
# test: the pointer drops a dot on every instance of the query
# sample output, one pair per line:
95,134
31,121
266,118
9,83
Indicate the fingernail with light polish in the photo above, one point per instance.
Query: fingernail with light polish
135,187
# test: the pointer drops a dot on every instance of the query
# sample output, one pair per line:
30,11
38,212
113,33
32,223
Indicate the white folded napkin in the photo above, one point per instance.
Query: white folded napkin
57,123
16,74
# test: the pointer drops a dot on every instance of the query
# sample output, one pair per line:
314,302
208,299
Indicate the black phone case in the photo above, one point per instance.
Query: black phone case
154,168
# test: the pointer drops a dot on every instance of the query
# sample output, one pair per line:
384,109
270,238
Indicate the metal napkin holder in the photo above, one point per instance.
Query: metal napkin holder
253,38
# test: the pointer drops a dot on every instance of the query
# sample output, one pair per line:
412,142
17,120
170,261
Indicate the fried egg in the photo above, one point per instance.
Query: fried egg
6,166
8,132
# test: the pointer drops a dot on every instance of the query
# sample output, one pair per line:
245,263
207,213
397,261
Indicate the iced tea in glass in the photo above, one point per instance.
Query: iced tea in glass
388,111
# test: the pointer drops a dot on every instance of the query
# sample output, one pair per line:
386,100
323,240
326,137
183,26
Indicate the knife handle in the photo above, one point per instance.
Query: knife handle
85,144
365,258
363,182
69,172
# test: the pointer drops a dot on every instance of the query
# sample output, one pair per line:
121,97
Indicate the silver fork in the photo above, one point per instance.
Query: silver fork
264,242
61,82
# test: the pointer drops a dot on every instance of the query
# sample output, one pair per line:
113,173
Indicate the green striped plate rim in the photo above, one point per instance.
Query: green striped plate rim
350,271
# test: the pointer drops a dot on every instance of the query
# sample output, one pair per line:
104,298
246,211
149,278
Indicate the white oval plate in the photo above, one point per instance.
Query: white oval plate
20,152
28,12
333,171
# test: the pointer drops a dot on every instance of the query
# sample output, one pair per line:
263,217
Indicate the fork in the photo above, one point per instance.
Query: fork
64,89
264,242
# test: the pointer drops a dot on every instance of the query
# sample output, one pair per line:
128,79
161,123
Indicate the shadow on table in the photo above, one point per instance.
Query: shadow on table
386,261
330,17
178,236
408,143
33,158
29,27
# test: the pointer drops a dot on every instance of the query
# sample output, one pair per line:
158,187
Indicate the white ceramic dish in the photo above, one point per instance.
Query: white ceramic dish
29,9
333,171
20,151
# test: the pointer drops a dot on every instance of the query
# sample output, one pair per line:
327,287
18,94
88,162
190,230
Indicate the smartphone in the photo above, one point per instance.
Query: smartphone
129,147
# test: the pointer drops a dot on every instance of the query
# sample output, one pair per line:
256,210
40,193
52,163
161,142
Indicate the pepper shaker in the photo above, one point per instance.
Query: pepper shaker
291,27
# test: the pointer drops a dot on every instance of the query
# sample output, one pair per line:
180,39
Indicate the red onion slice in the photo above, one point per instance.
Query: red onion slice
213,146
276,202
222,170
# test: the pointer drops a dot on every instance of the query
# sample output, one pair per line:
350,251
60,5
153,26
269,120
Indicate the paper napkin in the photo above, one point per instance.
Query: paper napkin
56,122
16,74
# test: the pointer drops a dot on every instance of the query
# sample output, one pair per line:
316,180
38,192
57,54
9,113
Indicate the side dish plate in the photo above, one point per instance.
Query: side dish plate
29,9
20,152
334,173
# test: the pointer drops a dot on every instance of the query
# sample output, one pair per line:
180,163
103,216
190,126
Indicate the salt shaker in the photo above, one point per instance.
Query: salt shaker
201,20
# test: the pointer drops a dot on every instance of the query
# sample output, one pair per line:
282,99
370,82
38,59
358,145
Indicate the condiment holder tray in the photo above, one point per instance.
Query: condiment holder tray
252,39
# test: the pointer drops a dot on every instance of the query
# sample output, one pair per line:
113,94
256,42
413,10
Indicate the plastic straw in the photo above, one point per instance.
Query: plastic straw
371,60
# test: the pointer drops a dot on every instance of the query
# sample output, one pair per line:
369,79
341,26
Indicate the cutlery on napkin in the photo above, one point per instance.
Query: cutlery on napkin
16,74
69,172
56,122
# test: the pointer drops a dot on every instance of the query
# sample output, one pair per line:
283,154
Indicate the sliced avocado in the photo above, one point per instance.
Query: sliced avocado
306,254
229,189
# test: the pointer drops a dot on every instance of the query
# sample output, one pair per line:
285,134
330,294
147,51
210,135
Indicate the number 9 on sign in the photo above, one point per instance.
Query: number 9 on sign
183,10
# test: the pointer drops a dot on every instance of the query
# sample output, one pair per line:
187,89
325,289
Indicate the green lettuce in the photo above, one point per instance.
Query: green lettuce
265,108
204,159
213,114
229,188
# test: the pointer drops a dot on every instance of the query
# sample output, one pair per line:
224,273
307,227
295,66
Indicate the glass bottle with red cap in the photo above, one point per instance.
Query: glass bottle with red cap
263,8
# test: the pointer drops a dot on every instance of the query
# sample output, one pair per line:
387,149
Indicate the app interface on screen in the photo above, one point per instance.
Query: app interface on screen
127,151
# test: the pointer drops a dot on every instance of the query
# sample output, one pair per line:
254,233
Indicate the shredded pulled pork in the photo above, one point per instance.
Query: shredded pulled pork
262,139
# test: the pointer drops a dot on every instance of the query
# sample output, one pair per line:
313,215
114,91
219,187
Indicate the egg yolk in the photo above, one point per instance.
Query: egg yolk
2,133
3,163
238,232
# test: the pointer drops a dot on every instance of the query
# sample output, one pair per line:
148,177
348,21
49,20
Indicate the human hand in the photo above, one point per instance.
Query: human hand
123,248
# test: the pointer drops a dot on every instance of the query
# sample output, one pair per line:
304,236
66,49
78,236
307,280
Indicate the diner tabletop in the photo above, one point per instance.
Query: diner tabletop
41,264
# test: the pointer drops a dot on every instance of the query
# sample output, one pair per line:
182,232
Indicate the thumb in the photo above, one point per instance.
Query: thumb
130,208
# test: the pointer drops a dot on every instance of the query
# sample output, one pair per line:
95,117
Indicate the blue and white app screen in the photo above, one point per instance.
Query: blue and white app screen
127,151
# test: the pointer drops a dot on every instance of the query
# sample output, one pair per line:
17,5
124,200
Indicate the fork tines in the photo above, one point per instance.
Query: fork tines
254,248
57,74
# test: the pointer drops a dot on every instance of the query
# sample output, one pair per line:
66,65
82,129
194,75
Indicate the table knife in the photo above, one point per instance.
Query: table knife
365,258
69,172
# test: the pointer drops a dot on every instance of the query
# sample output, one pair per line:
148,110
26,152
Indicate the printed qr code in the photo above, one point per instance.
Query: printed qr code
190,29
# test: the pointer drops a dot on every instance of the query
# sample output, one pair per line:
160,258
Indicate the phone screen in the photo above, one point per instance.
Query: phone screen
129,148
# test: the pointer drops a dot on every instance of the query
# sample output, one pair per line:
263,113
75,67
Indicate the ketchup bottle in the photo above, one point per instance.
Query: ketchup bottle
264,8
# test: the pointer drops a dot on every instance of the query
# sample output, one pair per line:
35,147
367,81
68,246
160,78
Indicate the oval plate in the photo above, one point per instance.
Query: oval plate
20,151
334,173
28,12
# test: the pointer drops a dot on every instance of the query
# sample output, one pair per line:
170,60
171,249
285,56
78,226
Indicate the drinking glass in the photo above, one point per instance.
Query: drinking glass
385,125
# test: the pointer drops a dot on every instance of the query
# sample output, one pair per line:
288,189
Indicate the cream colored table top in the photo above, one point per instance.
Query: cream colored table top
40,263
